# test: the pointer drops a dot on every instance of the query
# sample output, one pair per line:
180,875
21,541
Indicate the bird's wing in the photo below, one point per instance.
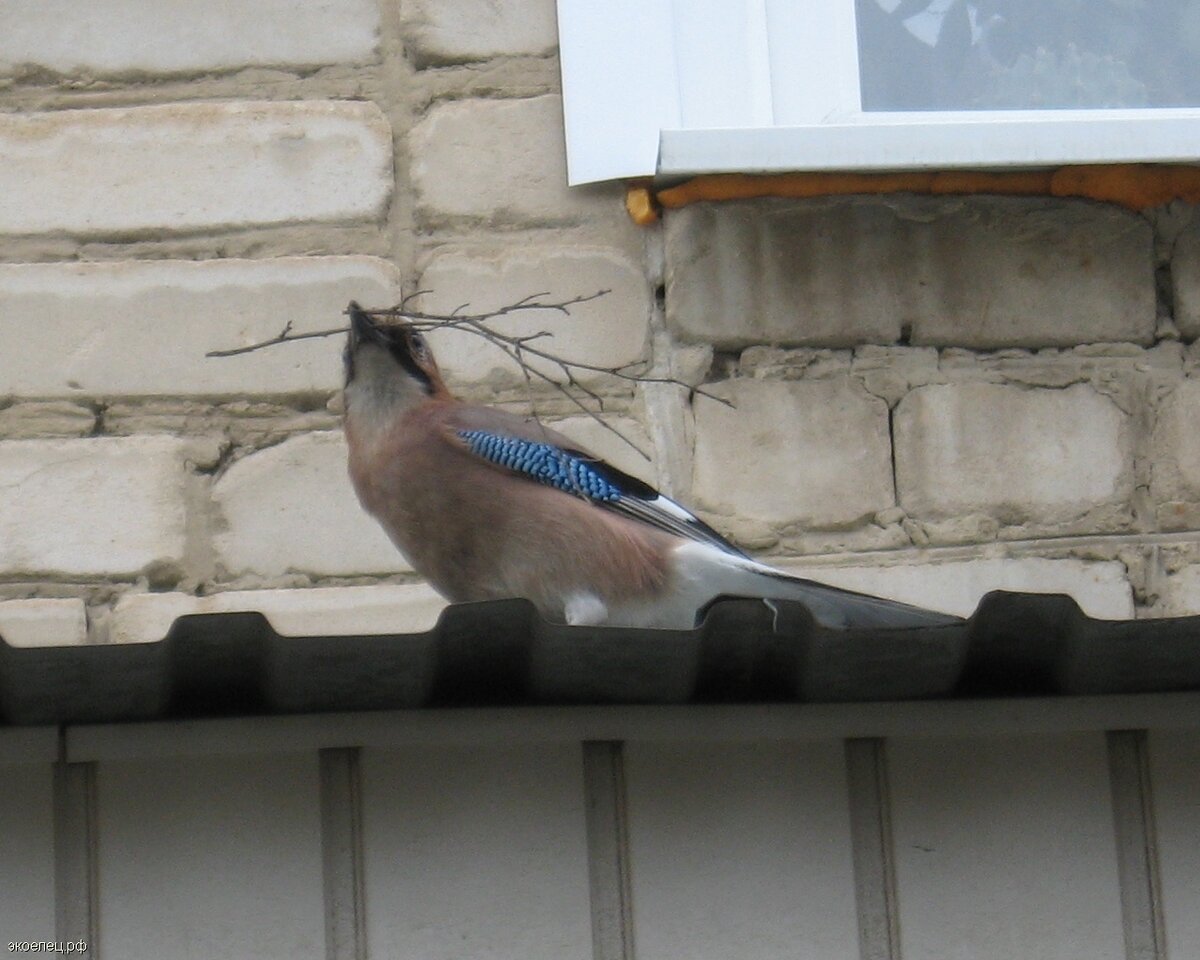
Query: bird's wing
545,456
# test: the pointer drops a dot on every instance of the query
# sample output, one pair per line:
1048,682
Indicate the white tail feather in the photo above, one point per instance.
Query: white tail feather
701,573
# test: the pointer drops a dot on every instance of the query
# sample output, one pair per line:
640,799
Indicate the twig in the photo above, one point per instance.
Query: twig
434,320
530,302
517,347
284,336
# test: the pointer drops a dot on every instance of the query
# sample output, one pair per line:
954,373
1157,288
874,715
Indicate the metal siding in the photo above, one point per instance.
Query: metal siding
740,851
27,853
874,850
608,850
739,839
27,745
773,85
476,852
1053,138
1004,848
813,62
1137,845
722,57
211,857
75,860
675,724
341,851
618,76
1175,775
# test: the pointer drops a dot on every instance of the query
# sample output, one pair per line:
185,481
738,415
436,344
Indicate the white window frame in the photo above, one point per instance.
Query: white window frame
683,87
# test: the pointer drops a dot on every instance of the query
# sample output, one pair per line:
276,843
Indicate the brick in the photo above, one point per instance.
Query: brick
318,612
813,452
88,328
524,180
103,506
1175,467
192,166
43,623
1101,588
1016,454
291,507
56,418
1185,280
610,331
1179,593
459,31
984,272
177,36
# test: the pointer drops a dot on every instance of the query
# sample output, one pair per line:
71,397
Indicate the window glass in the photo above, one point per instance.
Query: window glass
1028,54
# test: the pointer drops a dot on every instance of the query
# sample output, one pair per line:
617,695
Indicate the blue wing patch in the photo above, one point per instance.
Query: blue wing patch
542,461
594,480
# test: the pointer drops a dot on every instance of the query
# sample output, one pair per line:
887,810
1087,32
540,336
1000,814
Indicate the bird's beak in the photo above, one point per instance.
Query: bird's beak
362,327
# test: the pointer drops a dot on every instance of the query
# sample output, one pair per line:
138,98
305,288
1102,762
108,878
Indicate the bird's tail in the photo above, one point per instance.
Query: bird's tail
705,573
835,607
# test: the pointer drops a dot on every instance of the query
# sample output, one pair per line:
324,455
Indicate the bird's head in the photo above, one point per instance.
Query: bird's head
388,365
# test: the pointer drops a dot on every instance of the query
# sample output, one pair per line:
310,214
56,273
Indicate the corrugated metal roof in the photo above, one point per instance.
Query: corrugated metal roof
504,653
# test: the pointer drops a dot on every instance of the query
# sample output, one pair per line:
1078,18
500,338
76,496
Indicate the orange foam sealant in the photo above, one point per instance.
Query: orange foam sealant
1131,185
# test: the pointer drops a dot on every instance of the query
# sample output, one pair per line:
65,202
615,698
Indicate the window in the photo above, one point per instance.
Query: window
675,87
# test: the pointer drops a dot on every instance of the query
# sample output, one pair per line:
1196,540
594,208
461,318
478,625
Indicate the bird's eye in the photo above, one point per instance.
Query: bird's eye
416,343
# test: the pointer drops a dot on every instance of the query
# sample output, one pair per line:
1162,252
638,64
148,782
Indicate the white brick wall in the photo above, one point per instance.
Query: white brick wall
142,328
291,508
327,611
92,508
192,166
812,452
54,418
43,623
1180,596
450,31
1185,278
524,178
997,272
1176,464
611,331
1009,452
177,36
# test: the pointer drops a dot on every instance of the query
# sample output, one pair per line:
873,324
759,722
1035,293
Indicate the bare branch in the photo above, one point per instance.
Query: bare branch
531,302
521,349
284,336
403,304
529,372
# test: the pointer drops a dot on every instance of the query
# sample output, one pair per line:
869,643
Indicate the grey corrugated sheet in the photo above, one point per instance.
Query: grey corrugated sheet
503,653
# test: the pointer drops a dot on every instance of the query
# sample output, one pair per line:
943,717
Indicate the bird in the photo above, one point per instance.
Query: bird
488,505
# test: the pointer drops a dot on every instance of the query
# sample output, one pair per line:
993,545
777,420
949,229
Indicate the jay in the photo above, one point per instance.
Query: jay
487,505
